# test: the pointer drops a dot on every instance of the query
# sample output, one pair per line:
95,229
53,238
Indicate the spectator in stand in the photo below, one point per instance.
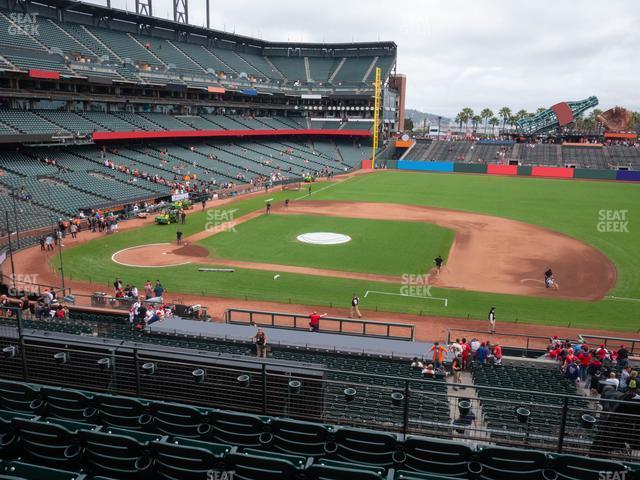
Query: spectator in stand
625,376
612,380
314,321
572,372
594,373
4,306
602,353
456,348
416,364
438,352
475,346
429,371
482,354
456,368
584,357
260,341
623,356
466,351
497,354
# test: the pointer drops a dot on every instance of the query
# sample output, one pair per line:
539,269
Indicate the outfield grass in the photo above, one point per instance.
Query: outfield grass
569,207
372,249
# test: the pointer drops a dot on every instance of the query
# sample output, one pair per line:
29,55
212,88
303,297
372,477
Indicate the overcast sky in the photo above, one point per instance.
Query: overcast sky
475,53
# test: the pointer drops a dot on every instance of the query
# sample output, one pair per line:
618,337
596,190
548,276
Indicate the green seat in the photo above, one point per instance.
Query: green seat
68,404
20,397
407,475
326,469
180,420
304,438
435,456
123,412
188,459
263,467
118,456
507,463
239,429
27,471
366,447
575,467
48,443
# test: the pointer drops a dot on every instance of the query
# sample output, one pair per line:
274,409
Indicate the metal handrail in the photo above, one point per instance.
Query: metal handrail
305,318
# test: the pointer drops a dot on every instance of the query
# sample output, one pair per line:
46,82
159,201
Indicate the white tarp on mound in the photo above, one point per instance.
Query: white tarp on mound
324,238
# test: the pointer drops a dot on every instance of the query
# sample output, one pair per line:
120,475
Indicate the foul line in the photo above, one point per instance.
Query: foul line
324,188
624,299
445,300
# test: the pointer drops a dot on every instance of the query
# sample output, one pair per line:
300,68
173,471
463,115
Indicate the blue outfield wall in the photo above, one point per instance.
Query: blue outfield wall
425,166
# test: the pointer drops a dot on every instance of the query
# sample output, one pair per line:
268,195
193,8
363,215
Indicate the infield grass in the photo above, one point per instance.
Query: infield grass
372,249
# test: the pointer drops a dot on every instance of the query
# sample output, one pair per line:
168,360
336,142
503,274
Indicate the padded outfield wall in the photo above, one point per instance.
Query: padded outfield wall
520,171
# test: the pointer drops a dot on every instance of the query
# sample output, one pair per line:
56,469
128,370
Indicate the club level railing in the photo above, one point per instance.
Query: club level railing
346,326
479,413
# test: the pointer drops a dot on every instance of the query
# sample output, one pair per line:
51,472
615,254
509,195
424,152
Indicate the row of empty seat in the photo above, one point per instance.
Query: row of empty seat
106,436
75,49
596,157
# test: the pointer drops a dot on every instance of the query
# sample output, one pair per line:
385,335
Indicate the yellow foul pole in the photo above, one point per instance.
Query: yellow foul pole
376,116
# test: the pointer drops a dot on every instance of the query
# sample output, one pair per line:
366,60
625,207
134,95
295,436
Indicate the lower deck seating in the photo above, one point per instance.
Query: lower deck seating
52,433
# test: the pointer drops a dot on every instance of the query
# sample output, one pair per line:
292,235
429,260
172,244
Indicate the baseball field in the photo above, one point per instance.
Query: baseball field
497,236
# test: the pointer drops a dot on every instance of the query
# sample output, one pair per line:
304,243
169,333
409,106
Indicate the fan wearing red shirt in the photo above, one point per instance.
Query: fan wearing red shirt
585,359
314,321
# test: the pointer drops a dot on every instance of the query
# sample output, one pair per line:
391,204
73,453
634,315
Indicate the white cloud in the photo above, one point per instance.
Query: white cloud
476,53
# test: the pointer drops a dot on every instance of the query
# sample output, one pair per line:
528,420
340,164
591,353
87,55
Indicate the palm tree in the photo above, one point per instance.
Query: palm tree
467,114
512,121
540,110
505,114
459,120
521,114
494,122
486,114
475,121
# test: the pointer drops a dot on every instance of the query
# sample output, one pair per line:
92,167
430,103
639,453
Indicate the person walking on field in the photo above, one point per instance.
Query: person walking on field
438,261
179,237
492,320
183,217
355,301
